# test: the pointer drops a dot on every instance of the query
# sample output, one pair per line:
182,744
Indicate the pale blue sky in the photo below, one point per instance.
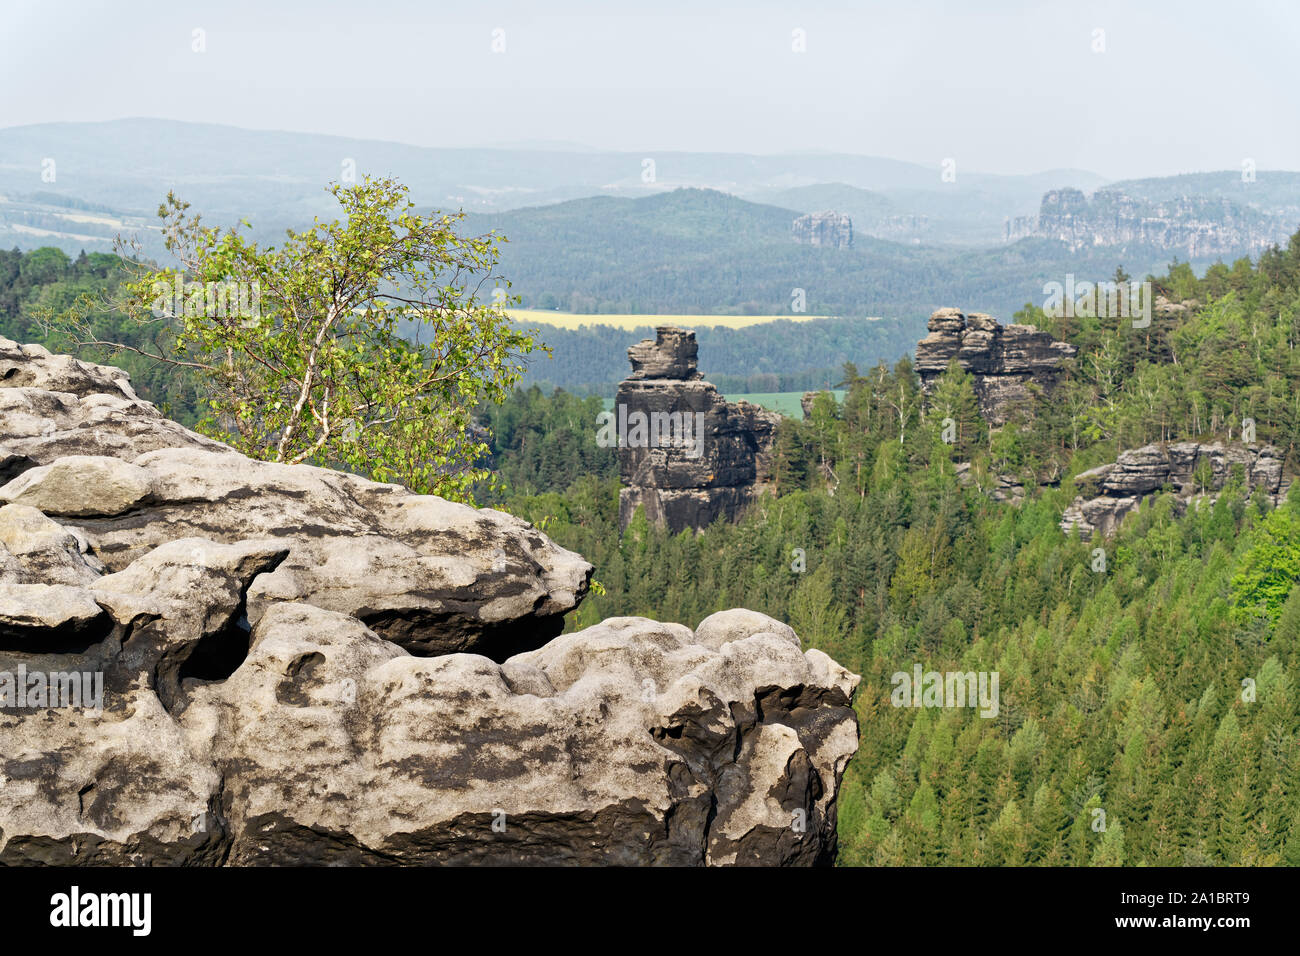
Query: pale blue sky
1002,86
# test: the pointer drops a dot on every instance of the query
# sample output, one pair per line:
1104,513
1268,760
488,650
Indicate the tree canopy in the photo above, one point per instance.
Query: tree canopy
299,351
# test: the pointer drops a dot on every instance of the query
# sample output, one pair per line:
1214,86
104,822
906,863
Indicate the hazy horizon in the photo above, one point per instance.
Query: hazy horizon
543,145
988,89
578,147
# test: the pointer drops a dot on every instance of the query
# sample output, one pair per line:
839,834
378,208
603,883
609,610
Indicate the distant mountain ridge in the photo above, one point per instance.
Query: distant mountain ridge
593,231
277,179
697,251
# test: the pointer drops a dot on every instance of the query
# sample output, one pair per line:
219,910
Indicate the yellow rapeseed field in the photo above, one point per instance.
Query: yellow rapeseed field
571,320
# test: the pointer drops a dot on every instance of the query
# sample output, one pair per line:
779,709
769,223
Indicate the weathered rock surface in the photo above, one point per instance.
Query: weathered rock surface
1109,492
808,401
1006,488
826,228
1005,360
36,549
429,574
631,742
55,405
40,616
687,483
278,657
674,354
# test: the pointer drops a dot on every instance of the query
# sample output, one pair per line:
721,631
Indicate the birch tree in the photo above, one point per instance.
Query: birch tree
363,343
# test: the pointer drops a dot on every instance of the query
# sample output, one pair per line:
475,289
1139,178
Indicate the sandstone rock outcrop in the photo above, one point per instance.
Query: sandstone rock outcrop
826,228
807,402
630,743
714,461
1109,492
281,677
55,405
428,574
1007,488
1005,360
1195,225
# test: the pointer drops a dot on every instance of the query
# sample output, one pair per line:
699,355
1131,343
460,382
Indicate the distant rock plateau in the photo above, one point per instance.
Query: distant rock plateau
1199,226
827,228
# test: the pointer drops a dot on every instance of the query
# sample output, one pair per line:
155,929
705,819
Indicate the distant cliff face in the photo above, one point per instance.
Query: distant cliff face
1109,492
1199,226
1004,359
686,454
826,228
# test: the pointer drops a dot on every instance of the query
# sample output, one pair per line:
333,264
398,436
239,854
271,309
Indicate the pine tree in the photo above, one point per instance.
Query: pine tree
1110,850
953,403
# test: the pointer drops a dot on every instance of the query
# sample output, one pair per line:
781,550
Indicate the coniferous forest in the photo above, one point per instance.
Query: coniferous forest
1161,692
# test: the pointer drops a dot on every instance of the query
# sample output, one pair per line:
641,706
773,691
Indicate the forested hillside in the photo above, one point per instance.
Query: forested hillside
702,251
779,356
1121,689
542,442
47,279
